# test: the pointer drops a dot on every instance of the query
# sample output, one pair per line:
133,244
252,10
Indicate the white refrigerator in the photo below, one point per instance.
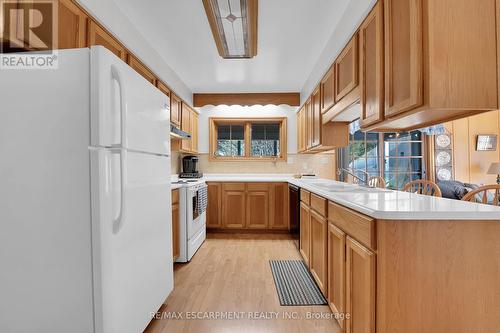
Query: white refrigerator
85,201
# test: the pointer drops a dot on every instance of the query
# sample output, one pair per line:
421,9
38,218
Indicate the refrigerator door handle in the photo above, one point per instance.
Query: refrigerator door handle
118,222
115,74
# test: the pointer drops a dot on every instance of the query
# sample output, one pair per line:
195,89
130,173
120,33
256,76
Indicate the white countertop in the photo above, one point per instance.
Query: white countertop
377,203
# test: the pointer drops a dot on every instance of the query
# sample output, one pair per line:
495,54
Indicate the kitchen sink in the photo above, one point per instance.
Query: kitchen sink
338,187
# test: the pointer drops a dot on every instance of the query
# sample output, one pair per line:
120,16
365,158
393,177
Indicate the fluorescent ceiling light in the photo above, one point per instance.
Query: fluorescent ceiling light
234,26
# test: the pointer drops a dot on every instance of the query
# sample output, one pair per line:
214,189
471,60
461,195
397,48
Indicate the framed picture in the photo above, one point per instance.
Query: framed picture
486,142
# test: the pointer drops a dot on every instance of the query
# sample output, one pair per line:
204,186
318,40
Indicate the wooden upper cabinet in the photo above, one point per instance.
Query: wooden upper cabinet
175,110
308,124
371,41
319,250
72,25
336,270
233,205
194,131
316,117
257,210
214,207
278,209
403,55
328,90
305,233
186,126
360,288
98,36
346,69
140,68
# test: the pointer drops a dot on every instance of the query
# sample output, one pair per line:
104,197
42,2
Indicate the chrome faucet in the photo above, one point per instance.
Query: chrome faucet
364,181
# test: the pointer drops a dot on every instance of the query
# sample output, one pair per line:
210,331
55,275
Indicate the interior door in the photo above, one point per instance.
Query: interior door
131,237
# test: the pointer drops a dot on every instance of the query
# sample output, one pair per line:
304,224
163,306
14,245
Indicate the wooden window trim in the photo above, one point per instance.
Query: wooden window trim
247,122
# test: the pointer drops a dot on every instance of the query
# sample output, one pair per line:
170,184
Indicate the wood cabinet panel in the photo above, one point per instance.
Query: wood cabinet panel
140,68
346,69
233,208
328,90
360,288
319,204
186,126
336,271
371,40
175,110
305,196
319,250
72,25
359,226
98,36
305,233
194,131
403,55
309,121
316,117
257,210
279,204
176,245
214,206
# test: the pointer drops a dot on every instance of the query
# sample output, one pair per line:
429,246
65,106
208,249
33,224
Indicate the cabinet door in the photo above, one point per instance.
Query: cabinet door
257,210
305,232
319,250
346,69
139,67
328,90
233,206
194,131
360,288
175,110
186,126
99,36
72,26
214,205
403,55
176,245
309,124
336,270
372,67
279,216
299,130
316,117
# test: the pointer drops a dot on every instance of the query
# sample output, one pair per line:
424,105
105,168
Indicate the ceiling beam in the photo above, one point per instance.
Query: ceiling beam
292,99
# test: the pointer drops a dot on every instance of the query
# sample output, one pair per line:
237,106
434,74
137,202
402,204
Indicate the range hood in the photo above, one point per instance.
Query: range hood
178,133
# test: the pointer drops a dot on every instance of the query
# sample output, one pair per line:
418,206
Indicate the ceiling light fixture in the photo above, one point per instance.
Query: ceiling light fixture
234,27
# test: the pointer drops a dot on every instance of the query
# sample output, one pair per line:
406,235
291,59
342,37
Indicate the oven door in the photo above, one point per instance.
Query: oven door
195,221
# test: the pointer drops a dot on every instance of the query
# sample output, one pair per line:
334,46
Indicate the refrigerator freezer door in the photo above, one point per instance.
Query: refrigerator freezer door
131,237
127,110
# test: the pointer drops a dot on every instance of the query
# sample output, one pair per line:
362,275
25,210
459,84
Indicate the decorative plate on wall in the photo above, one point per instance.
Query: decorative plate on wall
443,157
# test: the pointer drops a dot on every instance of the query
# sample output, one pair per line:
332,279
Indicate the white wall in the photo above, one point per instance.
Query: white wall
254,111
108,14
351,19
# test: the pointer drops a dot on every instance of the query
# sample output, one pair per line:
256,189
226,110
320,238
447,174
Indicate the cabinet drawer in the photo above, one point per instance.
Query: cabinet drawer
233,186
257,187
175,196
305,196
358,226
318,204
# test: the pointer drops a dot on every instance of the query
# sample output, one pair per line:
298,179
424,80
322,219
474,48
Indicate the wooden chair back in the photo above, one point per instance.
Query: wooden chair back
422,186
480,195
377,181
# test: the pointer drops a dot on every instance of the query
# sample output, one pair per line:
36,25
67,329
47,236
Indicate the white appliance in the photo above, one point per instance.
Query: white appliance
85,238
193,223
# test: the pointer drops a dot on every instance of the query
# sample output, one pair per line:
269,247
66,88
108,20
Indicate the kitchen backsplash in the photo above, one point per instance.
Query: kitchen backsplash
323,165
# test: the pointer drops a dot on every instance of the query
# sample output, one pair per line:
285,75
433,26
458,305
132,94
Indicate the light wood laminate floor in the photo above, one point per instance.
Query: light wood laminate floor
231,274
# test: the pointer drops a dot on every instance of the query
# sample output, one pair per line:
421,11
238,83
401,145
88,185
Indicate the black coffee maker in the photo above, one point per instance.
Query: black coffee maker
190,167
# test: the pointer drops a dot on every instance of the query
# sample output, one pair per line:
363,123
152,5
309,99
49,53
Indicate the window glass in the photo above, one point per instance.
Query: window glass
265,140
230,140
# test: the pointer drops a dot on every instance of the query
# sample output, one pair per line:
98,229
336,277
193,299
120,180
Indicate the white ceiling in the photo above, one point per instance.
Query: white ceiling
291,36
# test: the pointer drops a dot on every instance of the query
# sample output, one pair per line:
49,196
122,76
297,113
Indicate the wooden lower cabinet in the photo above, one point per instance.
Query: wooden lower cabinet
214,207
319,250
305,233
336,271
278,206
176,246
233,205
360,288
257,210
